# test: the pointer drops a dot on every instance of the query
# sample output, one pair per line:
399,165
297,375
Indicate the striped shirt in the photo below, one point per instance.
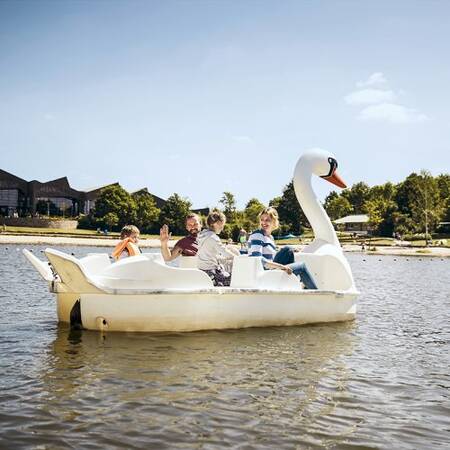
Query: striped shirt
260,244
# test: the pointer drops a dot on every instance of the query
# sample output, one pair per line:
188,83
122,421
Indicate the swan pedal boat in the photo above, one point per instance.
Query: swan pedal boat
142,293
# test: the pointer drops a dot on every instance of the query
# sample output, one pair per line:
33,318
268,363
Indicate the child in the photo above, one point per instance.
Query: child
129,238
211,250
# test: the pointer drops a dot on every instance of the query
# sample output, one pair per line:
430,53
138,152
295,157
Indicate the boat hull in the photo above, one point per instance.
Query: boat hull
184,311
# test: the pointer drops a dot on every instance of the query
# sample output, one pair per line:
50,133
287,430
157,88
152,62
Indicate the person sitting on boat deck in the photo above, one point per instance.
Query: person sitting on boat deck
211,252
128,245
186,246
261,243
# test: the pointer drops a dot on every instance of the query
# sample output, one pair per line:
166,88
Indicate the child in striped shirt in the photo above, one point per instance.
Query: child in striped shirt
261,243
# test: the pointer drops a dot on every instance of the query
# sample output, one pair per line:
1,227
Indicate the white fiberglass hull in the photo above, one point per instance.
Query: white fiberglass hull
213,309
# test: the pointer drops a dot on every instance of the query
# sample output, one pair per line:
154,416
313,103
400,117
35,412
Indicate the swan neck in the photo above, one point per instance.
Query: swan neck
318,218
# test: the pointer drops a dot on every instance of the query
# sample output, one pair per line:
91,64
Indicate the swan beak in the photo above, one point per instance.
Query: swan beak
335,179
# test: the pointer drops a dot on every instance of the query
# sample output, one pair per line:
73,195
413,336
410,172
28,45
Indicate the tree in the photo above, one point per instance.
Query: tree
229,205
443,182
337,206
174,212
380,213
290,212
418,198
357,195
251,213
110,219
147,214
115,200
275,202
382,209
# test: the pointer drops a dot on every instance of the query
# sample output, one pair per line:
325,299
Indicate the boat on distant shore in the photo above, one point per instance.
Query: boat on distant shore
142,293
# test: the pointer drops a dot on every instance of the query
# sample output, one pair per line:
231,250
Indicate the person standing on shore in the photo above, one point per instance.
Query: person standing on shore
187,246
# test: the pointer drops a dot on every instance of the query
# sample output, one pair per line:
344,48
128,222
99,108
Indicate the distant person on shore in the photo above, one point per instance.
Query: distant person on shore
186,246
243,238
261,243
128,245
212,253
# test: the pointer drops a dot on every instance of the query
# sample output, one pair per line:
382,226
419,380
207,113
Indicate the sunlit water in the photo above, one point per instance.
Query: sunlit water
381,381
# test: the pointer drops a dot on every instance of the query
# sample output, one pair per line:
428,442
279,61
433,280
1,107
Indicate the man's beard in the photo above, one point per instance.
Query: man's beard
193,233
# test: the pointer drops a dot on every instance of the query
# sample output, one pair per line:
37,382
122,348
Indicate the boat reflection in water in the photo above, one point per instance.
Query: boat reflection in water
268,383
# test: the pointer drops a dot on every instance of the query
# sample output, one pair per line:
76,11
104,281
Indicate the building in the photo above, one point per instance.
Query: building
91,195
358,224
21,198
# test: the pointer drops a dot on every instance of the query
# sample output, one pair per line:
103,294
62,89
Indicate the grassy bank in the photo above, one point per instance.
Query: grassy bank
306,237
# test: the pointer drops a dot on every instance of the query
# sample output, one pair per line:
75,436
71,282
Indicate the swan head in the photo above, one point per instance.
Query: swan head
321,163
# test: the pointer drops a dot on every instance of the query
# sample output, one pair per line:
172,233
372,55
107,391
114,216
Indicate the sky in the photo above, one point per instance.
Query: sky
202,97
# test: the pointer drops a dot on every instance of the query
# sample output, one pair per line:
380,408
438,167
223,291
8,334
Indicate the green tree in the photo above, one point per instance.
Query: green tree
337,206
111,220
357,196
443,182
382,203
147,214
290,212
251,213
115,200
229,206
418,197
174,212
275,202
380,213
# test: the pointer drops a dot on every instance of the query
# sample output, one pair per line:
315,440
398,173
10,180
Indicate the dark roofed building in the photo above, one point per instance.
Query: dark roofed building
13,194
159,202
19,197
54,198
91,195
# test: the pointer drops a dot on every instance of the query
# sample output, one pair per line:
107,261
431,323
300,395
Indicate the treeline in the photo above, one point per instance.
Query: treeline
416,205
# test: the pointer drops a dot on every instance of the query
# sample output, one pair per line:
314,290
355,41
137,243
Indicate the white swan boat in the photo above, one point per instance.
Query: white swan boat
142,293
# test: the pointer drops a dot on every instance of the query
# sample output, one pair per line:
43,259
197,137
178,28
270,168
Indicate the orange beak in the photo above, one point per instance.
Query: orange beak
335,179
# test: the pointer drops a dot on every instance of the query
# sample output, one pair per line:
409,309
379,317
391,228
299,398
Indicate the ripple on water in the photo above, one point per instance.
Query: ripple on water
379,382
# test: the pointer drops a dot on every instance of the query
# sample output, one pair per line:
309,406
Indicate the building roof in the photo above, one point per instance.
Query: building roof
357,218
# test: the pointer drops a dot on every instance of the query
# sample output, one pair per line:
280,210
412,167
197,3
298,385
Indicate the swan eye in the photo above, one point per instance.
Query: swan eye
333,166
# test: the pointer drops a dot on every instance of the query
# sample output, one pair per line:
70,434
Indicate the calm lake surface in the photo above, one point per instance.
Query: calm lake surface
380,382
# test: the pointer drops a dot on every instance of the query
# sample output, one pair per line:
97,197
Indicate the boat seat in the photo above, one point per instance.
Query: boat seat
248,272
151,272
94,263
188,262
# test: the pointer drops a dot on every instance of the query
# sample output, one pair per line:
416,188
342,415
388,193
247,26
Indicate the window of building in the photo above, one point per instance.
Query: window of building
55,206
9,198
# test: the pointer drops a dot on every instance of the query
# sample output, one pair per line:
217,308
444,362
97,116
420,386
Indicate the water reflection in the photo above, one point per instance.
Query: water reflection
213,385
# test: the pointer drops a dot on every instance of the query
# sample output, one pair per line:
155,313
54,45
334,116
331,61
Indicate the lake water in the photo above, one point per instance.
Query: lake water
380,382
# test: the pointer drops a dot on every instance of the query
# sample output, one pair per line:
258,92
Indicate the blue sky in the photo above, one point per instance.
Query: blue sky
199,97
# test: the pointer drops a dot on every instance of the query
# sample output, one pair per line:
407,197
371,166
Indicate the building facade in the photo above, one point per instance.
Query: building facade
21,198
358,224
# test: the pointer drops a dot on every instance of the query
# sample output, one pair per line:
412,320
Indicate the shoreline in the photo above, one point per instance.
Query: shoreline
5,239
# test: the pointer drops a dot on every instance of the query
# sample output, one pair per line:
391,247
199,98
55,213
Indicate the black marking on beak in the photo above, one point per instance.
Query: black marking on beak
333,167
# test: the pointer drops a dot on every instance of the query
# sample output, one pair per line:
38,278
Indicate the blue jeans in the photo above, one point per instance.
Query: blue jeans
285,256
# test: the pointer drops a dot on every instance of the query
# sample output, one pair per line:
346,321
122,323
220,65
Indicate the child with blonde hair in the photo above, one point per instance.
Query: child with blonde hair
212,253
128,245
261,243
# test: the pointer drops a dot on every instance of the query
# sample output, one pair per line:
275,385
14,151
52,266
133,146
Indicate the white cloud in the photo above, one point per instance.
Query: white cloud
390,112
243,139
374,79
370,96
382,103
